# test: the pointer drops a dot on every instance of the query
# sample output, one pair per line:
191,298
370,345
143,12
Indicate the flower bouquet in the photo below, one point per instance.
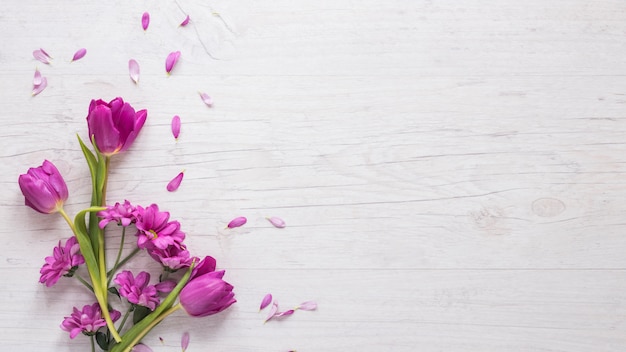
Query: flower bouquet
186,282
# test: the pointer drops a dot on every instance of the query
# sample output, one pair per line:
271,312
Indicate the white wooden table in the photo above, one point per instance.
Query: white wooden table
452,173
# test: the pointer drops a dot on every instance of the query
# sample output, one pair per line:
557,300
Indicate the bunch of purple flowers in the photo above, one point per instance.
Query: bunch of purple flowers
200,291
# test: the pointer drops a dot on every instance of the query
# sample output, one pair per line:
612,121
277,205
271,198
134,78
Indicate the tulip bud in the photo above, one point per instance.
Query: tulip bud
207,295
44,188
114,125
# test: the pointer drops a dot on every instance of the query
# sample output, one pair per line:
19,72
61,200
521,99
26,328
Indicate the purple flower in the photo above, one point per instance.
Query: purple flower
64,261
114,125
136,290
87,321
123,214
43,188
154,229
207,294
172,257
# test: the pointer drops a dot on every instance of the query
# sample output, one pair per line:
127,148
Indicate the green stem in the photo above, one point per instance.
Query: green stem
103,197
84,282
119,254
151,325
67,219
128,257
132,308
93,346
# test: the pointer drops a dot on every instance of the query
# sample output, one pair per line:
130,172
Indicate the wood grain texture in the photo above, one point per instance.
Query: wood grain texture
451,173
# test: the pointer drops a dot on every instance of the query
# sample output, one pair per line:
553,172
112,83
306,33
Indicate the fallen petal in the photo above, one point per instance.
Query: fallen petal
206,99
37,78
176,126
284,314
145,20
39,88
45,53
175,182
41,56
266,301
79,54
133,70
272,313
171,60
236,222
161,339
184,342
185,21
140,347
277,222
308,305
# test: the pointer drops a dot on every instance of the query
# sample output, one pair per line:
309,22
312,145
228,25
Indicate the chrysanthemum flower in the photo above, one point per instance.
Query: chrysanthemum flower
136,289
64,261
88,320
154,229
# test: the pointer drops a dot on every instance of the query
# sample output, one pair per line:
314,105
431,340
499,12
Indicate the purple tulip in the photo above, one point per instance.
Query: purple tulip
207,294
114,125
43,188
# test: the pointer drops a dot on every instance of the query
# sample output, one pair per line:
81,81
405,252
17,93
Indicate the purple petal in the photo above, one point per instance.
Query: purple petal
140,347
176,126
39,88
79,54
185,21
277,222
175,182
45,53
273,311
171,60
266,301
133,69
284,314
308,305
145,20
206,99
184,341
41,56
236,222
37,78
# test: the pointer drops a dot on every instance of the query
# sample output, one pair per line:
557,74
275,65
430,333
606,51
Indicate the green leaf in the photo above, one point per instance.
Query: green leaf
139,313
102,340
114,291
85,243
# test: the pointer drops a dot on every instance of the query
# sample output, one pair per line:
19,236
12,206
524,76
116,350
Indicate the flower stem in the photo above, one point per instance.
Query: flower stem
67,219
119,254
84,282
132,308
103,197
128,257
93,346
152,325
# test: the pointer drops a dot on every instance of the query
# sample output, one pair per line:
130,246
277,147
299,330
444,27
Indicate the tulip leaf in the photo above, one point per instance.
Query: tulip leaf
85,244
139,313
102,340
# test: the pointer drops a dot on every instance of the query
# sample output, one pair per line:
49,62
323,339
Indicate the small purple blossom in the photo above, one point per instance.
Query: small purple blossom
172,257
154,229
123,214
88,320
64,260
136,290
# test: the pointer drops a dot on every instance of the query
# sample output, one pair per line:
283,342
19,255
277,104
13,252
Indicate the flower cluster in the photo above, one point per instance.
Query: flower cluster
186,282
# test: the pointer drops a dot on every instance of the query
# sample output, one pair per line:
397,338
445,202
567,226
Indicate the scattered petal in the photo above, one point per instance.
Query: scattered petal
140,347
37,78
277,222
171,60
45,53
41,56
176,126
273,311
133,70
266,301
284,314
184,342
185,21
206,99
145,20
79,54
161,339
175,182
308,305
39,88
236,222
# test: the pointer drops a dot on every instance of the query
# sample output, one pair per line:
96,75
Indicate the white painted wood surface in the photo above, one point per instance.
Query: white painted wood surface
451,172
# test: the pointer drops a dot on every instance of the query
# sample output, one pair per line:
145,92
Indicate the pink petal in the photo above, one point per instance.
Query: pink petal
37,78
145,20
236,222
284,314
277,222
41,56
176,126
45,53
266,301
175,182
184,342
140,347
206,99
185,21
39,88
133,69
171,60
308,305
79,54
273,311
